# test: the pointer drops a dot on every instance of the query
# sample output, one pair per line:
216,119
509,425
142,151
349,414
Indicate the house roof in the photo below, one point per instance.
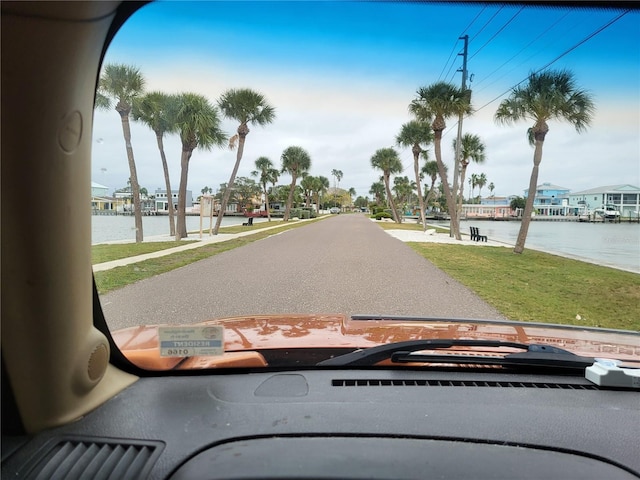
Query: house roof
624,188
97,185
550,186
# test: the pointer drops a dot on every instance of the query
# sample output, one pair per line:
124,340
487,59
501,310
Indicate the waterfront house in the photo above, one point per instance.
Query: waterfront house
162,202
100,200
625,197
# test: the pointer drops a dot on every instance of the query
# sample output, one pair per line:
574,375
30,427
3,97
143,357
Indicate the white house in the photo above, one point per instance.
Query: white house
625,197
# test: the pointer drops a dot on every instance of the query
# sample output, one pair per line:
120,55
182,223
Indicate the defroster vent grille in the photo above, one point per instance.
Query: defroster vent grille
456,383
107,459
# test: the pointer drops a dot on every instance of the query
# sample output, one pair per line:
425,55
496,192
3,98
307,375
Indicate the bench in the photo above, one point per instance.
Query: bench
475,235
248,223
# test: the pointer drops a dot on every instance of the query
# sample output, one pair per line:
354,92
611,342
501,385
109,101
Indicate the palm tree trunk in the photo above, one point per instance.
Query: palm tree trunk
528,206
416,169
394,214
445,185
266,200
463,171
165,168
181,227
135,186
232,179
287,210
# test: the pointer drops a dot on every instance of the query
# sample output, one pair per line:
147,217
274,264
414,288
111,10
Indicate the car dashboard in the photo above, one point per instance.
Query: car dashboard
346,423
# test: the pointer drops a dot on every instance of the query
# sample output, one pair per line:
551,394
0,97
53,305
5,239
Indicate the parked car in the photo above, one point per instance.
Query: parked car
334,210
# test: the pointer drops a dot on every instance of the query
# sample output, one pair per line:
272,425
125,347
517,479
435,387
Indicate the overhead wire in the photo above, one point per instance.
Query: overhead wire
456,42
548,64
498,32
549,28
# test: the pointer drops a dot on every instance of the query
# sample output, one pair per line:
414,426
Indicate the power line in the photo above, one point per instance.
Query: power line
488,22
498,32
566,52
525,47
584,40
456,42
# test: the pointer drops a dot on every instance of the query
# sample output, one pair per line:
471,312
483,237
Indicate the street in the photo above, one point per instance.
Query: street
344,264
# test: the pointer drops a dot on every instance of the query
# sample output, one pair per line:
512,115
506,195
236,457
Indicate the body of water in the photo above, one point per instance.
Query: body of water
612,244
116,228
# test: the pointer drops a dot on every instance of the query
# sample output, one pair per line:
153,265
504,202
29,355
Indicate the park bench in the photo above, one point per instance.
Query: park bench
475,235
248,223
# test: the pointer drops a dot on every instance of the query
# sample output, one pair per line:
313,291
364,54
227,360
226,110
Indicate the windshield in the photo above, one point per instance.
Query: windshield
279,183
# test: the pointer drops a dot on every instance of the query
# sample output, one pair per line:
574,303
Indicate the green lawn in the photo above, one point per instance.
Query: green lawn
536,286
108,252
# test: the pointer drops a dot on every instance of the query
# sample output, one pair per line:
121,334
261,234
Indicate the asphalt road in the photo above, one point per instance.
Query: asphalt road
344,264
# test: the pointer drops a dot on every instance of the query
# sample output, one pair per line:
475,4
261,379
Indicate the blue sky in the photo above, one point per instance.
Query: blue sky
341,74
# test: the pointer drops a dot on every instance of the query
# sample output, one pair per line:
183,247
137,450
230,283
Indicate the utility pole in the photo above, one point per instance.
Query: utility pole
456,169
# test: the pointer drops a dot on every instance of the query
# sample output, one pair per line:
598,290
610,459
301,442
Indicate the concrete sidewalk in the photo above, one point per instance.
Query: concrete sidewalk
199,242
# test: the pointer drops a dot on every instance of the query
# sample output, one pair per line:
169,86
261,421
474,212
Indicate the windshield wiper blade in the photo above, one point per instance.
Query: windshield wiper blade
533,355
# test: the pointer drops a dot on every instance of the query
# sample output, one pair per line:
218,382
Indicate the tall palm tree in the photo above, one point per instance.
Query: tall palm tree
307,184
295,161
157,111
198,123
435,104
321,186
414,134
266,173
122,84
378,190
247,107
549,95
471,150
352,192
430,169
387,160
492,187
473,183
337,174
481,182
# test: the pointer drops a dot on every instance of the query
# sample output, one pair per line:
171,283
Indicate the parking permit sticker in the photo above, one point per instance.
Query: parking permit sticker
191,341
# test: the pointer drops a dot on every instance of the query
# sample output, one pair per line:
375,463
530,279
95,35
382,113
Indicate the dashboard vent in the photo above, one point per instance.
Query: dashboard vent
457,383
72,459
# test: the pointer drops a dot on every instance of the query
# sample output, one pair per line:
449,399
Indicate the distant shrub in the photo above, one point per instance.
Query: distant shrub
381,215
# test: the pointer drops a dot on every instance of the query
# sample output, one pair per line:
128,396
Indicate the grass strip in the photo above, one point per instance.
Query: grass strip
119,277
108,252
540,287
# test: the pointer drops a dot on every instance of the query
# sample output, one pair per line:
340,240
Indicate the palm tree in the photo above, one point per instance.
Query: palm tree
122,84
320,187
471,149
157,111
435,104
414,134
473,183
550,95
295,161
337,174
387,160
198,123
378,190
352,192
266,174
492,187
307,184
430,169
247,107
481,182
